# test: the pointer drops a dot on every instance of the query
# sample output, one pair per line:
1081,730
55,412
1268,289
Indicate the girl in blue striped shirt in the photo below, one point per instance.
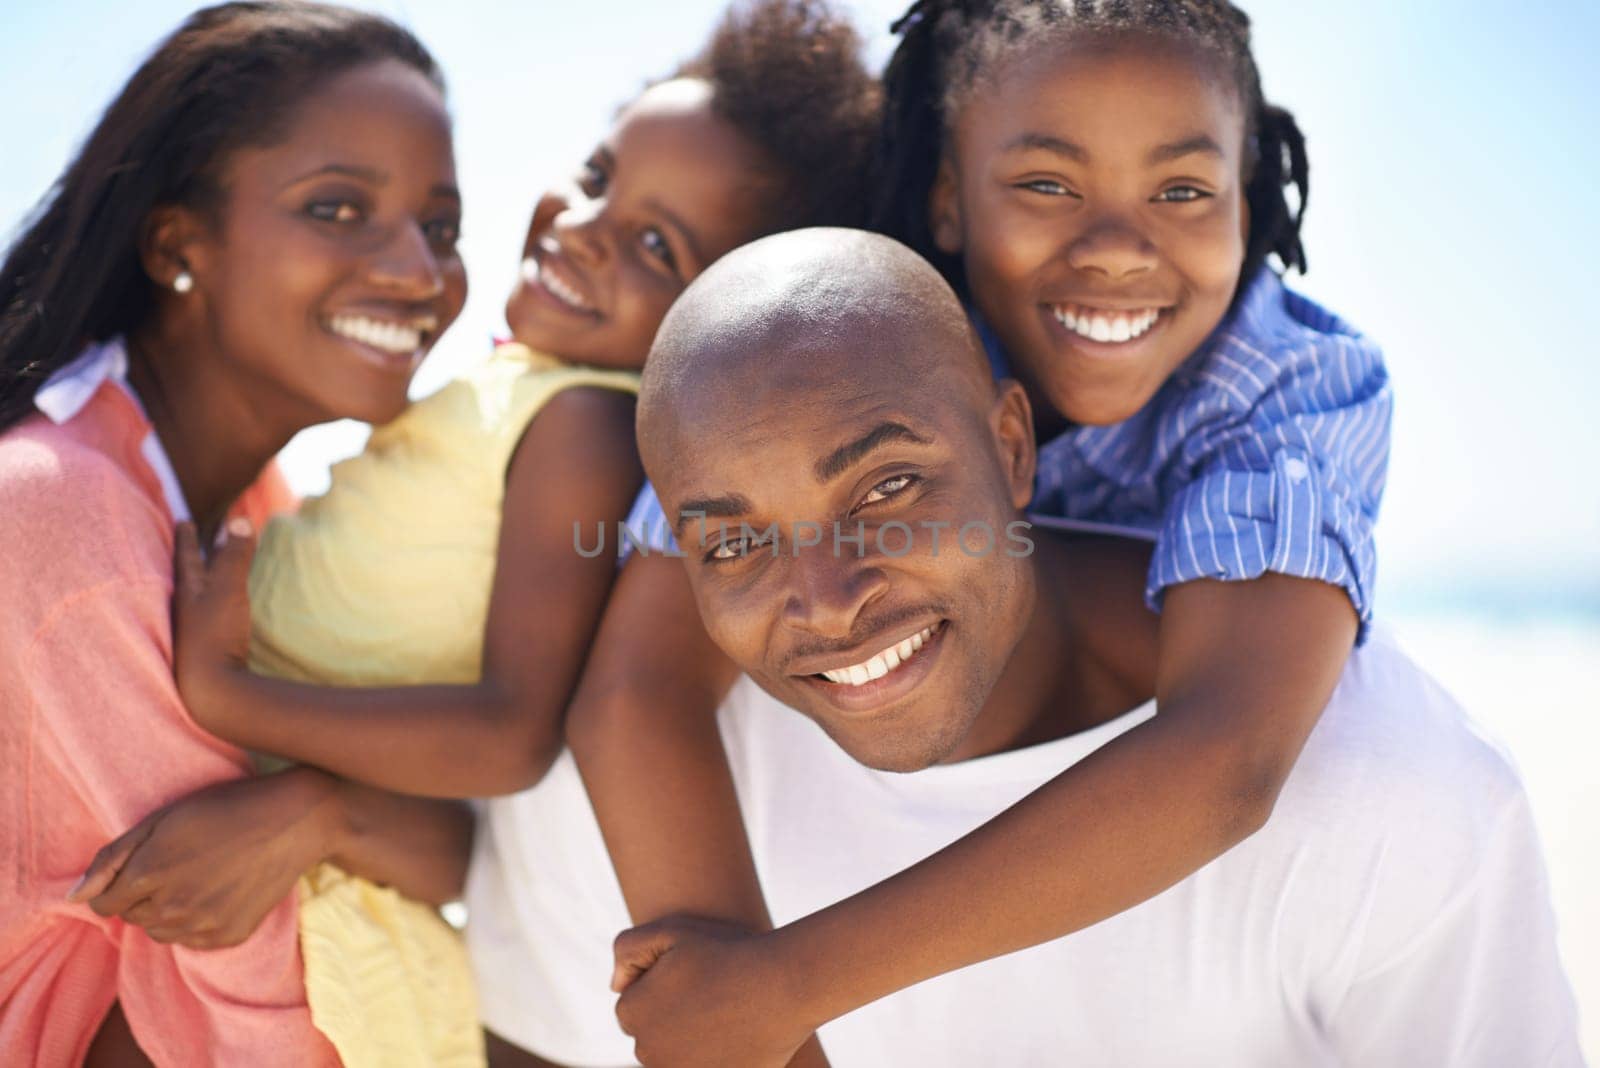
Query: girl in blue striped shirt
1105,183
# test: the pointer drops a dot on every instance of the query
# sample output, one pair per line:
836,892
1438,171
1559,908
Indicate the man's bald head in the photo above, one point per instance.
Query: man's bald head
806,310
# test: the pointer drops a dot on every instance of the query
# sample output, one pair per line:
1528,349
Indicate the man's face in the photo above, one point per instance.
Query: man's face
892,642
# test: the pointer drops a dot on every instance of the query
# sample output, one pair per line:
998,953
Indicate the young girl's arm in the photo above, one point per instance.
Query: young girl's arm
643,730
575,464
1244,670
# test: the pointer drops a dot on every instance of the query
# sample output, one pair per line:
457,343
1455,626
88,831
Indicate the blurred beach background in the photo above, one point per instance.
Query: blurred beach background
1453,217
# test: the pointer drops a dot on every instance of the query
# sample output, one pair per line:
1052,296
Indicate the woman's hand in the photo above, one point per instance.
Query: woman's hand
705,993
211,624
204,871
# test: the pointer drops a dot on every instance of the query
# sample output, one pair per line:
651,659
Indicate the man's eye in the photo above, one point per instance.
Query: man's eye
741,545
335,211
656,245
889,487
1181,194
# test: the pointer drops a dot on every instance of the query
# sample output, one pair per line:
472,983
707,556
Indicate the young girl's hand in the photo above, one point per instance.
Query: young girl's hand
704,993
211,622
206,870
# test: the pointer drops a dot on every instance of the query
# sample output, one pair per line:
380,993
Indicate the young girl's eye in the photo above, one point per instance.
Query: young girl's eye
655,244
889,487
592,179
1181,194
335,211
1047,186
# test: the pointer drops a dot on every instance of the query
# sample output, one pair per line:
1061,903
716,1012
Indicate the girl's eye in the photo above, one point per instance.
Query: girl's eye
443,233
335,211
889,487
1181,194
592,179
1047,186
655,243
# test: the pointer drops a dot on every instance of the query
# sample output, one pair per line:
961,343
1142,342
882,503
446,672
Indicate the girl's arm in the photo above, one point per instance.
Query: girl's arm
1243,672
575,465
643,730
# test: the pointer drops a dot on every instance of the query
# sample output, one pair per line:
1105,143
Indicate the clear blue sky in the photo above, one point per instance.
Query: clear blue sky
1453,217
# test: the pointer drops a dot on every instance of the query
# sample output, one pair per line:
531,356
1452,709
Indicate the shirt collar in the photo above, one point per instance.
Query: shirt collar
67,392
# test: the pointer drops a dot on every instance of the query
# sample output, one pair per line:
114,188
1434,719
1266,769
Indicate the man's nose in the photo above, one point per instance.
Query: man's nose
1113,248
408,265
829,588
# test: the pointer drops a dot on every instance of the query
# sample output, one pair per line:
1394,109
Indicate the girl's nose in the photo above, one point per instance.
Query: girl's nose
408,266
1113,249
582,229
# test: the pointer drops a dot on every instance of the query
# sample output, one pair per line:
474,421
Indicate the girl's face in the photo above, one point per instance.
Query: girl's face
1095,194
333,268
669,191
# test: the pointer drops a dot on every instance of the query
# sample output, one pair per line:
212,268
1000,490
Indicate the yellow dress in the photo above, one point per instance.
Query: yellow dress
385,581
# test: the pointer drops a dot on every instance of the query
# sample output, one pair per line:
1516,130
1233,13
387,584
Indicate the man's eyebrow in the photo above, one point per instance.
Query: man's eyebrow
1195,143
724,507
1047,143
848,455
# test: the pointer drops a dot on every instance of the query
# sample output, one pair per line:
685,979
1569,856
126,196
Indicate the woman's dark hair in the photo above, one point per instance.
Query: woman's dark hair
946,45
230,77
789,77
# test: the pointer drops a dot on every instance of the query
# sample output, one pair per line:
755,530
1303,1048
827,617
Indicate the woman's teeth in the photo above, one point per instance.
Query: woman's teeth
1103,325
878,666
401,339
556,286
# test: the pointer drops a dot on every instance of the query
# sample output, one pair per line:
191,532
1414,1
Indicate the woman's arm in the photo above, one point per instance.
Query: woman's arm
1243,674
205,870
575,464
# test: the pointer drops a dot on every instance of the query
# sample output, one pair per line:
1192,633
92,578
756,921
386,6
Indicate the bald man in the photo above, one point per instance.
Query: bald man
847,482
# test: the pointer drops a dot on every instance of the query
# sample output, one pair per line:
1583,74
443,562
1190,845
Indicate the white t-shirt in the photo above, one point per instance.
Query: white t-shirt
1394,910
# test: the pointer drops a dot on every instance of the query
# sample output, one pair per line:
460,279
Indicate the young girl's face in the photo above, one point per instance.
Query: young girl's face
1095,195
670,189
332,267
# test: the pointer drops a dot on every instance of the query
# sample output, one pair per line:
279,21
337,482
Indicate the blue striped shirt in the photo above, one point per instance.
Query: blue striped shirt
1265,451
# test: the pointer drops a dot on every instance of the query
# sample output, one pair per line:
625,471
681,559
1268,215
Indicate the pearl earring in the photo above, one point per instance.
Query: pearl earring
183,283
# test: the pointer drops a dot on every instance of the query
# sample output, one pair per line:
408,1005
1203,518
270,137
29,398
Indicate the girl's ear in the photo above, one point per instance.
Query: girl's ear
171,244
944,209
1011,421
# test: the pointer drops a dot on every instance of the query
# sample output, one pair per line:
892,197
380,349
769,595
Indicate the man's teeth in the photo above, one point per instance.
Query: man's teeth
398,338
1103,325
561,289
879,666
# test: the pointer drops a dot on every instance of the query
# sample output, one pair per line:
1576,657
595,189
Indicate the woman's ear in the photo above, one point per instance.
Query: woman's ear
169,247
1011,422
944,209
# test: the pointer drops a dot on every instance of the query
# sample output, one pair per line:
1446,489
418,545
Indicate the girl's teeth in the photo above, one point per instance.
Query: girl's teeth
882,664
396,338
563,292
1112,327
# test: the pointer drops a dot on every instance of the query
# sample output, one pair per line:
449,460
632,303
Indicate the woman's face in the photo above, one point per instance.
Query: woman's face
332,267
671,189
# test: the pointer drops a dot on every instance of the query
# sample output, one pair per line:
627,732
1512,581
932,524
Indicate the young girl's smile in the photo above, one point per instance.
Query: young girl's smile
659,199
1095,194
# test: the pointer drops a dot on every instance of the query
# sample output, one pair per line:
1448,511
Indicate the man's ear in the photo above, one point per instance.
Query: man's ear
1011,422
170,244
944,209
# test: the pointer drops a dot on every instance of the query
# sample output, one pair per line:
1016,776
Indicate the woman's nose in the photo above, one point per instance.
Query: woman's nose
408,265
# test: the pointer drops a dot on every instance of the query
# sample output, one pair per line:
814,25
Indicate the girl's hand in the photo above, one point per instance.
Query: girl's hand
204,871
211,623
704,993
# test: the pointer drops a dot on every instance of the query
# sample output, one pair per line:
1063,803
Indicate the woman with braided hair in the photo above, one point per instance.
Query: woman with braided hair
1105,184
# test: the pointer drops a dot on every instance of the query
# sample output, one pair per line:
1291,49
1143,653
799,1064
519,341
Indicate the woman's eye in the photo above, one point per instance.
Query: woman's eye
655,244
335,211
1181,194
889,487
443,233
